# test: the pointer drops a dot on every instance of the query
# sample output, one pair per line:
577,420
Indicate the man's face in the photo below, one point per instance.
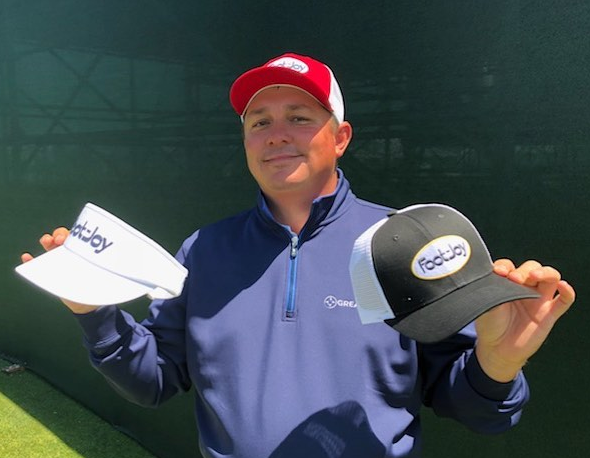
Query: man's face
292,143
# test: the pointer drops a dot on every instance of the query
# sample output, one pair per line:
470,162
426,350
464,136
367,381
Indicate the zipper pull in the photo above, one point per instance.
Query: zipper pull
294,243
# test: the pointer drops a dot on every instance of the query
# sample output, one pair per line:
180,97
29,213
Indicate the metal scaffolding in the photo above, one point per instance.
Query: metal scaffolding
73,92
67,97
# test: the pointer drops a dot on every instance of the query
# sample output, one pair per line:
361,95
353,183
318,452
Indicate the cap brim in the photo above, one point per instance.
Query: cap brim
453,312
68,276
253,81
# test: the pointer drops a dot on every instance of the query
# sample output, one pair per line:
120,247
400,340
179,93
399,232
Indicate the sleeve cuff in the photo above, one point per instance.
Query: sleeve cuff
100,326
484,385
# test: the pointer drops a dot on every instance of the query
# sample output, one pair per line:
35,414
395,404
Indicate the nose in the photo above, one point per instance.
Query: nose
278,134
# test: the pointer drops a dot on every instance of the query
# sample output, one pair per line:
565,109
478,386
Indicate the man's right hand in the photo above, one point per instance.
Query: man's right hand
49,242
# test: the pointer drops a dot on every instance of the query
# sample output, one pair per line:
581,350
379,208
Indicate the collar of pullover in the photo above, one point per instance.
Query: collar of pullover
324,209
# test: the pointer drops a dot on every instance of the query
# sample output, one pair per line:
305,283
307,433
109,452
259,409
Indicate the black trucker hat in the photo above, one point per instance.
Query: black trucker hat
427,273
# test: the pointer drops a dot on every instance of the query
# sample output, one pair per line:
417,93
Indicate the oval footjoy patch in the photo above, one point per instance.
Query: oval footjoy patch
441,257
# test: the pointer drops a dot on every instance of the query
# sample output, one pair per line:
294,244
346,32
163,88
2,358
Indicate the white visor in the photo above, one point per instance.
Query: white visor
105,261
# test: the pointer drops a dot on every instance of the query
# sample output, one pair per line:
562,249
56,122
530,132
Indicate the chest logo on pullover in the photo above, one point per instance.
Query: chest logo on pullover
333,302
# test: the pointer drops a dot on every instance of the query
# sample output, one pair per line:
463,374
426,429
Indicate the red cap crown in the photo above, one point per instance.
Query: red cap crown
295,70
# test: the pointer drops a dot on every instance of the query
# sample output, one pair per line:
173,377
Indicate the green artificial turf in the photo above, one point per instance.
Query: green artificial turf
37,420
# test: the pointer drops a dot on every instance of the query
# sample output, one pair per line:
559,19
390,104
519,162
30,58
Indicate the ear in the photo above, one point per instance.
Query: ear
343,137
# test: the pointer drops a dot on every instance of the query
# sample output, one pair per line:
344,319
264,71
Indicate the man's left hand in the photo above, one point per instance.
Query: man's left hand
509,334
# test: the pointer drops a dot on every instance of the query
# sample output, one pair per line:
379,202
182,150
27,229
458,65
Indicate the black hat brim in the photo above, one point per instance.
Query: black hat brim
448,315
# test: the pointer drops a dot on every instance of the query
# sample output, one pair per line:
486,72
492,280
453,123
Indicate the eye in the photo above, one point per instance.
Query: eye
300,119
257,123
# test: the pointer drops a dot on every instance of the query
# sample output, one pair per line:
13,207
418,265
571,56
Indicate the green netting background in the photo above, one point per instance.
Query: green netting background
483,105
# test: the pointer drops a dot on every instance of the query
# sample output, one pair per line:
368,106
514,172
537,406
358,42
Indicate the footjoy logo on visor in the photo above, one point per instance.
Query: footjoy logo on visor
106,261
290,63
442,257
91,236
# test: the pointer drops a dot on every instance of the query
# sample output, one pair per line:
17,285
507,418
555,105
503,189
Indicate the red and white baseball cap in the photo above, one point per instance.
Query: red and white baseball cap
294,70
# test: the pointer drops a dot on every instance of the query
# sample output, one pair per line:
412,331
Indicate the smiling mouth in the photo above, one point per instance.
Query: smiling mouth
281,157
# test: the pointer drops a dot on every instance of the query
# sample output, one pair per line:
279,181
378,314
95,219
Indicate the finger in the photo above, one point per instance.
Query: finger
560,304
522,273
26,257
47,241
503,267
545,274
60,234
565,298
57,238
529,265
544,279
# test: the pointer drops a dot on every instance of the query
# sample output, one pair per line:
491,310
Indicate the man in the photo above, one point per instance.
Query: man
279,371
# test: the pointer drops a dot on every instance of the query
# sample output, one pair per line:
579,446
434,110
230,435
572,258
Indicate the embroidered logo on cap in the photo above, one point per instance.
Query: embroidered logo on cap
441,257
91,236
292,64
